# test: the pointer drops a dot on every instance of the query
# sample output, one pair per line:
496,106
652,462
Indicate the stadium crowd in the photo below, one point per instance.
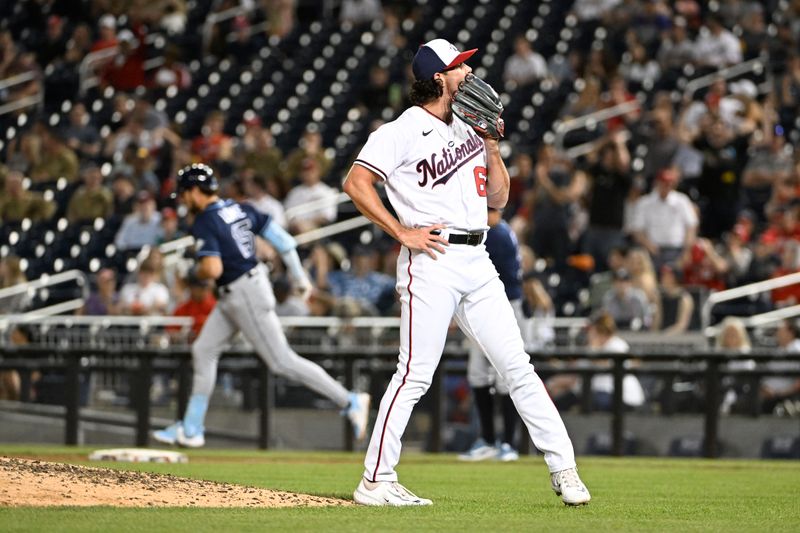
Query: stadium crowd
688,193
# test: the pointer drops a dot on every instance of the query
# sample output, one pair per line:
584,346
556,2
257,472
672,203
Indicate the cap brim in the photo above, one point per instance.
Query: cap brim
460,58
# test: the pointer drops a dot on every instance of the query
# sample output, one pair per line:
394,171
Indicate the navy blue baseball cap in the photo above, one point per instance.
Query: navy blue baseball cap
435,56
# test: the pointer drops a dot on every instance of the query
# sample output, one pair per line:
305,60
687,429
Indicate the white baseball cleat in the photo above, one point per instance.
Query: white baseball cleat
480,451
386,493
568,485
358,413
176,434
168,435
197,440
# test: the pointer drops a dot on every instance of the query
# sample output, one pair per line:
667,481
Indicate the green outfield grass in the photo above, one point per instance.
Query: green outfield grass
628,495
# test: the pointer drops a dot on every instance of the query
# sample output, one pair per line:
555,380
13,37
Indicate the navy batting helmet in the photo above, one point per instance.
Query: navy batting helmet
198,175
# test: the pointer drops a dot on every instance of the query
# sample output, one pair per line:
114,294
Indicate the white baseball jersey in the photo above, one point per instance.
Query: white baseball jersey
422,159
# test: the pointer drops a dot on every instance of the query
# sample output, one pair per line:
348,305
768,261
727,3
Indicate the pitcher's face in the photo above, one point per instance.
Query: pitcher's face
452,78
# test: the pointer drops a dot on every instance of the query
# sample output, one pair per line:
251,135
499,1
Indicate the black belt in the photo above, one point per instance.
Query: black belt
473,238
226,289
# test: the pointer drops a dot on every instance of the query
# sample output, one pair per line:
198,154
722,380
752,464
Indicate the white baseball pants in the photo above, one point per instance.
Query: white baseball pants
462,283
480,372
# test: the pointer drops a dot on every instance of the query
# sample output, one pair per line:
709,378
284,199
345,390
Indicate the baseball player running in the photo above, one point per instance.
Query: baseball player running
503,249
440,173
225,240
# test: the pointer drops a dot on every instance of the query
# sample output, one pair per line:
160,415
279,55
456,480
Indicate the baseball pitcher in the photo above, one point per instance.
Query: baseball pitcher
441,166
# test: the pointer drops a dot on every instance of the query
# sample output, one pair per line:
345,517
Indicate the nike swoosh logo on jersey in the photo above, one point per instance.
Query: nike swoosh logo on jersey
426,133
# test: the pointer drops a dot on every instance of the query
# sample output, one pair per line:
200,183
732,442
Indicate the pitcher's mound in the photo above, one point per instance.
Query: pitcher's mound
26,482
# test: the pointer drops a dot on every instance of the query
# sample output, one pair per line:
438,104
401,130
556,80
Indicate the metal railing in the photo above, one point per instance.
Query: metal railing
303,239
755,65
581,150
316,205
141,364
761,319
21,103
17,79
330,230
179,245
86,73
47,280
56,309
215,18
745,290
85,331
591,120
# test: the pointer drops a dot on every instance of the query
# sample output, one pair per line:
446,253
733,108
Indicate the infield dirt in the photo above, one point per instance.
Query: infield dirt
25,482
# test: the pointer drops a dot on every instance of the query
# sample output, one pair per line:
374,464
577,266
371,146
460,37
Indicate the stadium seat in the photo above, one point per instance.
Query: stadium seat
601,444
781,447
689,446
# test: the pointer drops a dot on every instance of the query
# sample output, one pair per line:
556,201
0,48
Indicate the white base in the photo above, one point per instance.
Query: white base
138,455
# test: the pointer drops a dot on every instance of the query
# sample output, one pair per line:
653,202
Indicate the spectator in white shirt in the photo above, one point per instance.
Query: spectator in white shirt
257,190
732,337
594,9
565,389
311,189
716,47
359,12
142,227
640,69
665,221
145,296
602,337
525,66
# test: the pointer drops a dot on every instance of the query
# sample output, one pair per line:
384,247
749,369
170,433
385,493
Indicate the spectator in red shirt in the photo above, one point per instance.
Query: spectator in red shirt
199,304
790,263
108,33
784,227
618,94
704,266
125,72
54,43
522,179
213,145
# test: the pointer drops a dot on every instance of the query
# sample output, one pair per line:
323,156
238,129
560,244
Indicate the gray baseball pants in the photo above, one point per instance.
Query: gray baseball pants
248,305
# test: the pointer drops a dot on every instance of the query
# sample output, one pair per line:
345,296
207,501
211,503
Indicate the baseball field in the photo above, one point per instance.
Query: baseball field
628,494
